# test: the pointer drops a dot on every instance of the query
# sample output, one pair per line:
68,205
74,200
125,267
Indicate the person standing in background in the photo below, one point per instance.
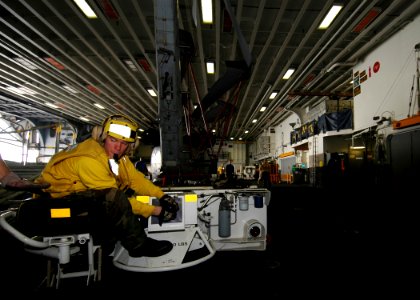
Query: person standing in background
257,172
230,171
265,180
142,167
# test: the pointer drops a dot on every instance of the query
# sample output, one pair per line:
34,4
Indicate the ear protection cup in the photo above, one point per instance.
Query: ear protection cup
97,132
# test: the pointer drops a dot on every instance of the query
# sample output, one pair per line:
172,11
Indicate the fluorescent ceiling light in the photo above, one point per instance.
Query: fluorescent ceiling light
273,95
86,9
84,119
207,11
353,146
130,64
254,121
52,105
26,63
99,106
288,73
21,90
246,131
335,9
210,67
70,89
152,92
263,108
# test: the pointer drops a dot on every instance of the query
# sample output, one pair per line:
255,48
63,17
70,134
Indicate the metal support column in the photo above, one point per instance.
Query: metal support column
168,66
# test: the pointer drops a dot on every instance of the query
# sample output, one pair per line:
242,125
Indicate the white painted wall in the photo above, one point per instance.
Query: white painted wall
388,88
283,131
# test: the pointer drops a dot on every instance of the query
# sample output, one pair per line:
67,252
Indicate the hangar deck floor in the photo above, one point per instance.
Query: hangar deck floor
320,243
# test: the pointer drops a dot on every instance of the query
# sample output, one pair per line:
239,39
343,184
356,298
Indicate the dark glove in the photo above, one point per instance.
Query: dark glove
169,209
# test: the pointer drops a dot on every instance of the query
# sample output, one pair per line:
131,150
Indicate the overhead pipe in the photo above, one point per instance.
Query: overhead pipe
341,64
344,26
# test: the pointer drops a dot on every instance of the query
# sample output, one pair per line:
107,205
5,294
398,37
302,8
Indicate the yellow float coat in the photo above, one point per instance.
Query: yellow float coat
85,166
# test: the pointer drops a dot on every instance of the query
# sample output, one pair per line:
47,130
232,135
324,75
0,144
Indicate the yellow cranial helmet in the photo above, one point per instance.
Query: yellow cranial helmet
120,127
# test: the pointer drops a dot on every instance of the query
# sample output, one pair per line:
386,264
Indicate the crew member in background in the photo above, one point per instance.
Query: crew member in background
230,171
142,167
99,170
265,180
257,173
221,172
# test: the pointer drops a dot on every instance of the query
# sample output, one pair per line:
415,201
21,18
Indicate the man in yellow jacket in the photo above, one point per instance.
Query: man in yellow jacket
99,170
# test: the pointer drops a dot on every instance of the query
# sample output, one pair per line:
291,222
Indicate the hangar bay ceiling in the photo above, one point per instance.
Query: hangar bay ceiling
56,64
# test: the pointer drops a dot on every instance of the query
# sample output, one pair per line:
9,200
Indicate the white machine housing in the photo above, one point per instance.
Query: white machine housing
248,221
196,227
194,233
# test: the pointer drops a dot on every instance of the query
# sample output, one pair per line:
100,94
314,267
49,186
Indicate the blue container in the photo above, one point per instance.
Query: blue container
258,201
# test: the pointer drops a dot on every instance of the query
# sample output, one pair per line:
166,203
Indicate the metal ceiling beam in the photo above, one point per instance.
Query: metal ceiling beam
276,31
274,66
240,128
319,93
313,59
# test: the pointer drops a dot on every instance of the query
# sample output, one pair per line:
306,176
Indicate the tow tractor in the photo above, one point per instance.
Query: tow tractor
209,220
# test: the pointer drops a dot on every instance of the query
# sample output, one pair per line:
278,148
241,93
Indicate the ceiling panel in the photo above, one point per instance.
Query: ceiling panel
279,34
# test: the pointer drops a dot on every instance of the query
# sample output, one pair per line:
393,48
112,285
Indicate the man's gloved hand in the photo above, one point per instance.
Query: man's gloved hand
13,182
169,209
